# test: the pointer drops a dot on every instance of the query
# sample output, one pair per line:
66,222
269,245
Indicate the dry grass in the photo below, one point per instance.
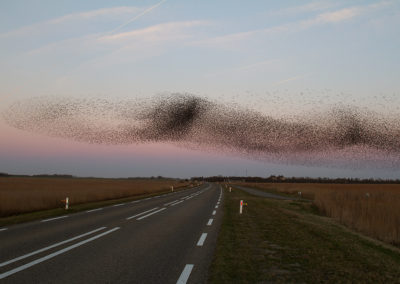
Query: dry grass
277,241
373,209
23,194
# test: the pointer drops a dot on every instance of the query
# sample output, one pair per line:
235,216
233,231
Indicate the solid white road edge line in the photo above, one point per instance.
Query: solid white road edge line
51,219
94,210
185,274
116,205
210,222
202,240
49,247
134,216
145,216
3,229
37,261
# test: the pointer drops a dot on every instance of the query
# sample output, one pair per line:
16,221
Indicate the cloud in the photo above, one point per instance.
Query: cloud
332,17
114,13
155,32
305,8
338,16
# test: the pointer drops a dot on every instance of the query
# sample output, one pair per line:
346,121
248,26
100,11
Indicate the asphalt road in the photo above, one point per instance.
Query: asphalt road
165,239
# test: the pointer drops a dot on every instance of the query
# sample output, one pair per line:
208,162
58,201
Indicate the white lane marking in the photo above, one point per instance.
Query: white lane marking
210,222
94,210
145,216
116,205
3,229
134,216
216,206
136,201
49,247
214,212
185,274
51,219
177,203
170,202
147,198
202,240
32,263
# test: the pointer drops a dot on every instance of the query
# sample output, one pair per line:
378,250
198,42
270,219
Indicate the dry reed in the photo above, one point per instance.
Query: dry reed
373,209
24,194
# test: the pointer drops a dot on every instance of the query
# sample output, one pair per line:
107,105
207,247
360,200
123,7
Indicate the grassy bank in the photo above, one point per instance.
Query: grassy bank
372,209
287,242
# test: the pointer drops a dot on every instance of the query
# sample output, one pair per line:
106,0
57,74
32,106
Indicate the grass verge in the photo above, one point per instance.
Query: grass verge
287,242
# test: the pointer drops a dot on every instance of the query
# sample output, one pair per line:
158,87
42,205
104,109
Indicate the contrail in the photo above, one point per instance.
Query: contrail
137,16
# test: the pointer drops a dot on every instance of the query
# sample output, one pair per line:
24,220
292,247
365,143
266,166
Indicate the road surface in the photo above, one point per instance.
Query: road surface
165,239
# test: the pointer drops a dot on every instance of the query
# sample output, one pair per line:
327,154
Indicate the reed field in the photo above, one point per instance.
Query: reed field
373,209
27,194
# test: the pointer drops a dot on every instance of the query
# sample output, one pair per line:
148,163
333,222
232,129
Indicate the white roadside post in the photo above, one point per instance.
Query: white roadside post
241,207
230,189
66,203
172,188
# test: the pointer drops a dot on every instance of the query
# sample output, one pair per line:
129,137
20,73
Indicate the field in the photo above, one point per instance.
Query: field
373,209
276,241
25,194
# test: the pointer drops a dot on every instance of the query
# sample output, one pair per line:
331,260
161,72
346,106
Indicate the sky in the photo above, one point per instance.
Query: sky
280,58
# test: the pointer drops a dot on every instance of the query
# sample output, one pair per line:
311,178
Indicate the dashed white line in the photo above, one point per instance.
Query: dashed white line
210,222
49,247
170,202
94,210
27,265
134,216
154,212
56,218
136,201
116,205
202,239
214,212
185,274
3,229
216,206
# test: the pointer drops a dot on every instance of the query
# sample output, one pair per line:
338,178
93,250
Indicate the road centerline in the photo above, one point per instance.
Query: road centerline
154,212
142,213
